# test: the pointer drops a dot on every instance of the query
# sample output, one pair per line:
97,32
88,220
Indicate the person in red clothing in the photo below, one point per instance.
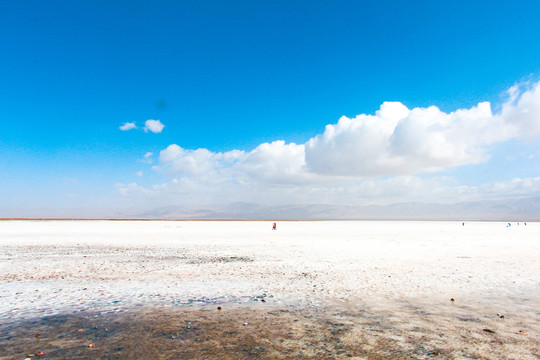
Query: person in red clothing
274,227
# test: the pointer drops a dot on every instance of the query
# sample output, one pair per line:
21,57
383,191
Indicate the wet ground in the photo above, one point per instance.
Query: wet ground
267,332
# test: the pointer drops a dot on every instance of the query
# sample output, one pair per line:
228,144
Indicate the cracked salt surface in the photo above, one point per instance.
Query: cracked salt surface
404,272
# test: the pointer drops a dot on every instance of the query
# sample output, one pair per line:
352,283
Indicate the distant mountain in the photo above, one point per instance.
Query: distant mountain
527,209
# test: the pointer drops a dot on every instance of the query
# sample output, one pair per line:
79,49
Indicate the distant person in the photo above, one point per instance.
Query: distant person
463,224
274,227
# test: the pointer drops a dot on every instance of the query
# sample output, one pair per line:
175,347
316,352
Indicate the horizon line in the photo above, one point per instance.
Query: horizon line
269,220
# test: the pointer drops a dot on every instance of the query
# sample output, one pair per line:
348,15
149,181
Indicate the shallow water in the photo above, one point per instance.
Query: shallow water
261,331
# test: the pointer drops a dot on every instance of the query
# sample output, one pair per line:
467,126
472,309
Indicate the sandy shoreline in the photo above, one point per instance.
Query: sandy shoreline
396,277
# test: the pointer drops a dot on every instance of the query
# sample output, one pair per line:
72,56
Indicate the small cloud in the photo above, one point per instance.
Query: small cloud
128,126
131,189
154,126
139,173
147,158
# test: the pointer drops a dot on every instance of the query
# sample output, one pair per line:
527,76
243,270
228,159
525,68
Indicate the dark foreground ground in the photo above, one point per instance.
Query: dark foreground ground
264,332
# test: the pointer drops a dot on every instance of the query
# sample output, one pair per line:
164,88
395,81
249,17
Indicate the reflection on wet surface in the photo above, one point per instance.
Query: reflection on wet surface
266,332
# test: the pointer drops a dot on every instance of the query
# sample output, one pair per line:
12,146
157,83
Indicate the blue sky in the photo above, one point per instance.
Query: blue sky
229,77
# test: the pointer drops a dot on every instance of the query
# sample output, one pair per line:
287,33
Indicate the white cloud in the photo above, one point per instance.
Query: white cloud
139,173
131,189
276,163
397,141
369,159
151,125
128,126
147,158
517,187
394,141
154,126
522,112
200,162
372,191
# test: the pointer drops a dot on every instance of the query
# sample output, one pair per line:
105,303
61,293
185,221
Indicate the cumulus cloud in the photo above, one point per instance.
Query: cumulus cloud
201,162
368,157
154,126
397,141
394,141
276,162
522,112
128,126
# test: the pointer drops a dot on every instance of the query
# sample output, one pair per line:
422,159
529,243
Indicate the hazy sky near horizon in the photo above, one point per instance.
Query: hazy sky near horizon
137,105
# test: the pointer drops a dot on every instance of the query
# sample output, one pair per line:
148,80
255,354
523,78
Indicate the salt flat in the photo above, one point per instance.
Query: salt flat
401,273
